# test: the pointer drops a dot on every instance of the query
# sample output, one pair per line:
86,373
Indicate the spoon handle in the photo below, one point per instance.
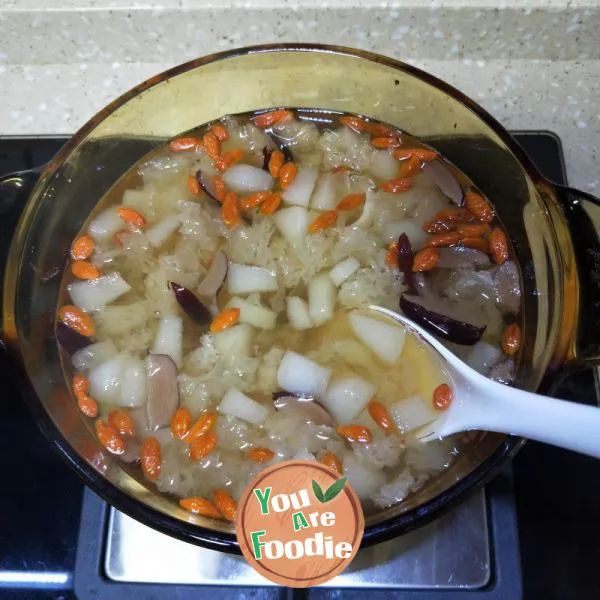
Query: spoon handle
490,406
495,407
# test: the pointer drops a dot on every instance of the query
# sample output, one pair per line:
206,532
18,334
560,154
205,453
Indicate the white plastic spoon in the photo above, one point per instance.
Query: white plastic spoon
480,403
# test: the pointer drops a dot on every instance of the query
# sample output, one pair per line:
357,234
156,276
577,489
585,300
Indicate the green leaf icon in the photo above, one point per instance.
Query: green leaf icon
318,491
334,489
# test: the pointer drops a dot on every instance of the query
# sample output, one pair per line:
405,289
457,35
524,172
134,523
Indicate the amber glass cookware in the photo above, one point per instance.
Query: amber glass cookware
551,228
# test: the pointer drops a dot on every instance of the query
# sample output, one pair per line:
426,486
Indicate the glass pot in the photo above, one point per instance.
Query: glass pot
551,228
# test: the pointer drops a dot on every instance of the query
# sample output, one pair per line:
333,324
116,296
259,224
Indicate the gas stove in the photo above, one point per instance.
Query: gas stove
532,532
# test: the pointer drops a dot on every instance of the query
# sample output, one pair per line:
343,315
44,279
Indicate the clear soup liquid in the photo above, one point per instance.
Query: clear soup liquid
302,266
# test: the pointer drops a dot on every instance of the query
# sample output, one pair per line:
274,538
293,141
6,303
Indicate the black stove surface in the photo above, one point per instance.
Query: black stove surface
557,492
39,509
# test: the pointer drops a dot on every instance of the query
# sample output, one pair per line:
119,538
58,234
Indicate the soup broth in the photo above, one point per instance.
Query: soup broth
216,311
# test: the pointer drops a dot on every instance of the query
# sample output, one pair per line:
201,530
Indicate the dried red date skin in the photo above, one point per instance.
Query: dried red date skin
192,307
405,262
444,326
206,186
70,339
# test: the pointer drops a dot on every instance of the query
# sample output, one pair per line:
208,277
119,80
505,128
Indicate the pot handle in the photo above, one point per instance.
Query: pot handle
15,189
582,212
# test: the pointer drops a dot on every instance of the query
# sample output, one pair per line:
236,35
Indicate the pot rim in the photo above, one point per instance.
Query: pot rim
221,541
434,81
227,542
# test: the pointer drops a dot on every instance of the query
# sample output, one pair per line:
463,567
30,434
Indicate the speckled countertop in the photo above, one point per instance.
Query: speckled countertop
534,64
